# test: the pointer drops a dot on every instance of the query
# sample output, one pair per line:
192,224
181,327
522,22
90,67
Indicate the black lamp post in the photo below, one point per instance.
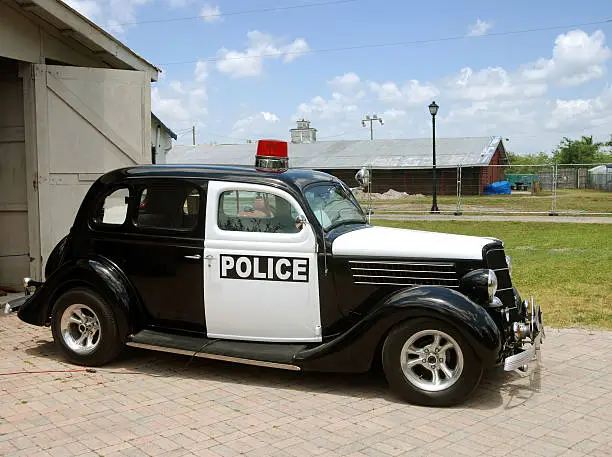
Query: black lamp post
433,110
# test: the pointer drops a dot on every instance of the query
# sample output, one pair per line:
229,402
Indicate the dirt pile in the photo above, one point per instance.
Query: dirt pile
391,194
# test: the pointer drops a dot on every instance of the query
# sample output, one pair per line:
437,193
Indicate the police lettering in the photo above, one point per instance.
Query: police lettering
288,269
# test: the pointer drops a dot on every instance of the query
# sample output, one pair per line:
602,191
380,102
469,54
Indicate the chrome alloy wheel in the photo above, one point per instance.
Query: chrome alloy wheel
80,329
431,360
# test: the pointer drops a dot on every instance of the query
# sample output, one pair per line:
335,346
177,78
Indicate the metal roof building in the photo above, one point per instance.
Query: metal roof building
402,165
349,155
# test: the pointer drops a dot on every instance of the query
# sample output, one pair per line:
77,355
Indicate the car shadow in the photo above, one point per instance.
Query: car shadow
497,388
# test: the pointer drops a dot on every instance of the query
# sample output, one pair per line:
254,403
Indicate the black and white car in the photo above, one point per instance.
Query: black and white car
278,267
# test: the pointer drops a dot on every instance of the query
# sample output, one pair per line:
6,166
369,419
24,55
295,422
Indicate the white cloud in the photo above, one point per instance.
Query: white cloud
262,124
491,83
210,13
178,3
269,117
181,104
339,106
346,82
170,110
393,113
201,71
260,46
177,87
589,113
88,8
479,28
115,16
295,49
577,58
478,102
411,93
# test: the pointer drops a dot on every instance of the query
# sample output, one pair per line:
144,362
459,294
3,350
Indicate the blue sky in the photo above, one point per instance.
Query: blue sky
532,88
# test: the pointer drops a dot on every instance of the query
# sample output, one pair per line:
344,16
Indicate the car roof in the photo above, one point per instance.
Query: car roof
292,177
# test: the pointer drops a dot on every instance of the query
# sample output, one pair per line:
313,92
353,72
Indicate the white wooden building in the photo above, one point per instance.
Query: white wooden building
74,103
161,140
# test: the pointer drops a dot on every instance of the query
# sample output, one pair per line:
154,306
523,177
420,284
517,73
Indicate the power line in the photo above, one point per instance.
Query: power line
391,44
236,13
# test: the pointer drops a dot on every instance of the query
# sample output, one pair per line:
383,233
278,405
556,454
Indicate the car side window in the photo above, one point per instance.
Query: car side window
249,211
173,206
113,210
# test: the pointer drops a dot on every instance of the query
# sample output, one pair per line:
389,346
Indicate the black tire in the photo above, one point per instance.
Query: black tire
108,344
463,384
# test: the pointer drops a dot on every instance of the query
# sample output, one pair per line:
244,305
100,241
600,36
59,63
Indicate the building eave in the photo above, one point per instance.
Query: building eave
72,24
163,126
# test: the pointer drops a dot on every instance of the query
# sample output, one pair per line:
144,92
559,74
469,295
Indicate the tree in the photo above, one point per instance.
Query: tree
529,163
584,150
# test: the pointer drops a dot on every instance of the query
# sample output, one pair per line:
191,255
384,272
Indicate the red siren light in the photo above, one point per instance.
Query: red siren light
272,155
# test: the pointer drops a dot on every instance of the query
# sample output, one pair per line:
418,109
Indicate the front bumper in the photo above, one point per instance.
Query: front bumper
536,335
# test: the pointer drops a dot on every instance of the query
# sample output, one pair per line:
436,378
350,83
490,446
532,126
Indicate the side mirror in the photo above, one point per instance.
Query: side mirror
301,221
363,178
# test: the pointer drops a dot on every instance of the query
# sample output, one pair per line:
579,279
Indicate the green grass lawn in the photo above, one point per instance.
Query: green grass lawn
567,267
582,201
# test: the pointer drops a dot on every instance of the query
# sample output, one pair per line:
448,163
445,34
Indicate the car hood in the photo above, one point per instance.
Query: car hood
399,243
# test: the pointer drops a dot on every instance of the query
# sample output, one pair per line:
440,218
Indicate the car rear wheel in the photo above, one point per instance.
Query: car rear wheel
428,362
84,328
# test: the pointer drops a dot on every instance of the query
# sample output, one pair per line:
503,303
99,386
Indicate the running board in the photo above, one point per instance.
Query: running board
270,355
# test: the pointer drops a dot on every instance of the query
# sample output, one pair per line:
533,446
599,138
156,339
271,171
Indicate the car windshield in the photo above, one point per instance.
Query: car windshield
333,205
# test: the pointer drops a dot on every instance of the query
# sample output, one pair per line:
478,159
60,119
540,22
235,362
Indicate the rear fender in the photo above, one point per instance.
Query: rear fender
99,274
355,349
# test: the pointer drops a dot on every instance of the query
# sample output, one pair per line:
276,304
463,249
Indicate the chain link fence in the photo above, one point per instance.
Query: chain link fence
557,189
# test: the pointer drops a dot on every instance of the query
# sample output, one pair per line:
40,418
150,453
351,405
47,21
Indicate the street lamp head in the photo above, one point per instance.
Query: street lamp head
363,123
381,121
433,108
375,116
367,117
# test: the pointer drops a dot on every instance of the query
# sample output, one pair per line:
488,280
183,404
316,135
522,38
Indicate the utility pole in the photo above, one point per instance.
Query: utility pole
371,120
193,134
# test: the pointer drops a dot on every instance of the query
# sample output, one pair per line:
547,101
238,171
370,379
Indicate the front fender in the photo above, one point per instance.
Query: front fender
354,350
99,274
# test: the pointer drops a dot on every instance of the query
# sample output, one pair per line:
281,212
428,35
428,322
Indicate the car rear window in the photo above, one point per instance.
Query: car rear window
174,206
114,208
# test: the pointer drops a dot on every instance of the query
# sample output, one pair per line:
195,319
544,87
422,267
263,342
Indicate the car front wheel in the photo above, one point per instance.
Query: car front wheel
428,362
84,328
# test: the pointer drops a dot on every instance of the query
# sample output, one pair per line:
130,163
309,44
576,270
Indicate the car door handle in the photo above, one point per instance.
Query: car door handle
209,257
194,257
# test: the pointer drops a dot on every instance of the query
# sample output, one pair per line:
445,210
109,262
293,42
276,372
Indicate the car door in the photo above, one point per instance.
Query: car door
159,246
260,269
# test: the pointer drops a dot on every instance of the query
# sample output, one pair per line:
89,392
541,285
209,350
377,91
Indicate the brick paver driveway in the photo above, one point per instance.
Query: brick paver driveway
150,403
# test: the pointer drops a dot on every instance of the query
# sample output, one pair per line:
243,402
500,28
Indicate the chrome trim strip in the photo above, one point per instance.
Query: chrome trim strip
224,358
406,271
406,277
500,269
403,284
505,288
394,262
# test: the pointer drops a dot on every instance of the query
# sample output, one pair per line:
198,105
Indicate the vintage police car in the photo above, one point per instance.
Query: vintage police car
278,267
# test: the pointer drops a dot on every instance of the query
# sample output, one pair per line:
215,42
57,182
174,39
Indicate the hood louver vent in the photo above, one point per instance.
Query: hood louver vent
399,273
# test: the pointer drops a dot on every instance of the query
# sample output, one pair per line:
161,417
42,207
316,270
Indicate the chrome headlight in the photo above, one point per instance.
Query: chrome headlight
491,285
480,285
509,262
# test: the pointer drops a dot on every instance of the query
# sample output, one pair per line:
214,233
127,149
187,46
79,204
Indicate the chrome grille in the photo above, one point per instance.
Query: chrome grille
496,261
399,273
